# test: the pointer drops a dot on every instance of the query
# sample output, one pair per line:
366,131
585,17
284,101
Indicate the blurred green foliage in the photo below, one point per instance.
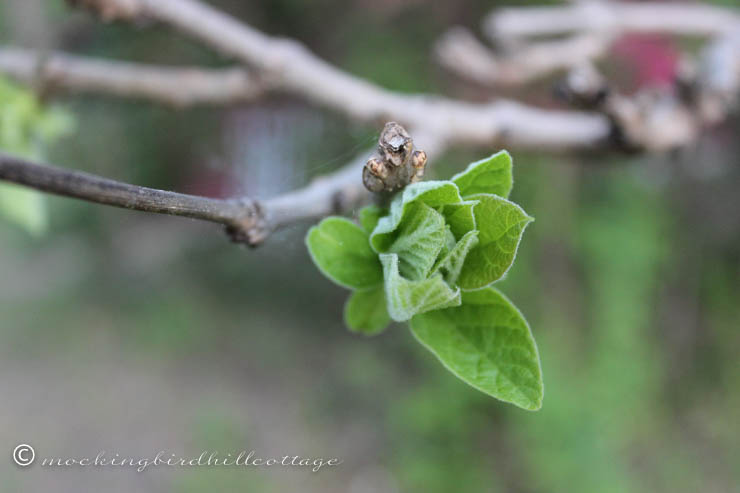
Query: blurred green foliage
27,128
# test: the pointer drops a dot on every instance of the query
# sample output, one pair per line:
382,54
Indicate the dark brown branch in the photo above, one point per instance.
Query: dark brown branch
242,217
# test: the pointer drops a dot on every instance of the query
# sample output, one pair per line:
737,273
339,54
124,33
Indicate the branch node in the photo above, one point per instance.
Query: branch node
251,228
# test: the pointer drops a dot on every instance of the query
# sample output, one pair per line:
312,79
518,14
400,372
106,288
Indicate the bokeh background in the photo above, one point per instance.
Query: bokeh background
134,333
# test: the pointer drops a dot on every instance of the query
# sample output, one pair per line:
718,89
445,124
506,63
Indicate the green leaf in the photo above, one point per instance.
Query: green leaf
24,207
500,225
452,263
488,344
340,249
450,243
407,298
369,217
418,241
432,193
365,311
490,175
460,217
26,128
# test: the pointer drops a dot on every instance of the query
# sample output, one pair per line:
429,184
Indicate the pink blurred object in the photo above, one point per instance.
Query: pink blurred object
652,59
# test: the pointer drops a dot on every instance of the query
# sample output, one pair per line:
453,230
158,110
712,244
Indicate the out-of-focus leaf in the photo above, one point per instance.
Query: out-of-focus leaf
369,217
24,207
365,311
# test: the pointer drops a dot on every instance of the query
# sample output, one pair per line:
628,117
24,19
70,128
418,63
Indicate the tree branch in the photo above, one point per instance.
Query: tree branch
608,17
654,119
178,87
461,52
242,217
591,27
285,65
248,221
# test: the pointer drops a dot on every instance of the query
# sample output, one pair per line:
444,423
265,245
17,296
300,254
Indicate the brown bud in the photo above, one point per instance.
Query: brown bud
372,182
419,159
377,167
395,144
396,163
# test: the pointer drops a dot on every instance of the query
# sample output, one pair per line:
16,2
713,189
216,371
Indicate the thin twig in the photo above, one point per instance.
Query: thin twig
247,220
240,216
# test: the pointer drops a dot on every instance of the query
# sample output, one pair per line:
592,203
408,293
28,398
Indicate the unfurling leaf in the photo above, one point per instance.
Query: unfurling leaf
406,298
487,343
460,217
432,193
451,264
418,241
500,224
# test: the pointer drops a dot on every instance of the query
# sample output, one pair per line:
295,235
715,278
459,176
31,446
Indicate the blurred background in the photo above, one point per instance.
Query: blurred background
134,333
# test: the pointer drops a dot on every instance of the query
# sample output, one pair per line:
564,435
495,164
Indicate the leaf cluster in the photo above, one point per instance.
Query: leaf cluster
431,258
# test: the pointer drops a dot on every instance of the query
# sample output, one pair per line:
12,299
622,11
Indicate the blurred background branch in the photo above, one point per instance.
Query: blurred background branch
179,87
703,93
610,17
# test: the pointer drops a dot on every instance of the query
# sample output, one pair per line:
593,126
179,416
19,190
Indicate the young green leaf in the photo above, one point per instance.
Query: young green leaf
340,249
432,193
487,343
365,311
406,298
369,217
451,264
418,241
500,224
460,217
450,243
490,175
